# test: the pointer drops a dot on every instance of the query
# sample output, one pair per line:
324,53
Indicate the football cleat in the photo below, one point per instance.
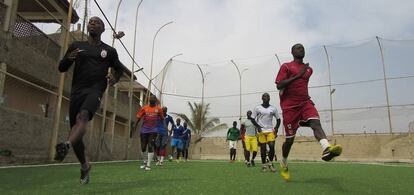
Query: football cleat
330,152
84,178
62,150
284,172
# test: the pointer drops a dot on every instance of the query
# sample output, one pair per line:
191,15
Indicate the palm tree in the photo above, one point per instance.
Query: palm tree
200,122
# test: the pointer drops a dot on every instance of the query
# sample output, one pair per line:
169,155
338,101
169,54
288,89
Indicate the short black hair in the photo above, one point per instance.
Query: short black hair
295,45
100,20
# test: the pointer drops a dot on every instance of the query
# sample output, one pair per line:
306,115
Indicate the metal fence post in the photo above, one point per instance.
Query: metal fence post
330,89
56,118
385,82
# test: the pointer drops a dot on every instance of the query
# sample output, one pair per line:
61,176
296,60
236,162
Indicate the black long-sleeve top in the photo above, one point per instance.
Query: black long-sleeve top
91,66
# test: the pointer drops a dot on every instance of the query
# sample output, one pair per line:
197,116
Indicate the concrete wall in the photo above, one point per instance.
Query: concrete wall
371,148
28,137
28,60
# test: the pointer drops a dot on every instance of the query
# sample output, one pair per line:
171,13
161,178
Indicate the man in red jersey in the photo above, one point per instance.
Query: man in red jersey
245,151
297,107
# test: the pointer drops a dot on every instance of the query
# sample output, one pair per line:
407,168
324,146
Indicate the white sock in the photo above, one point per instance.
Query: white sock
162,158
324,143
68,144
144,161
284,161
150,157
158,158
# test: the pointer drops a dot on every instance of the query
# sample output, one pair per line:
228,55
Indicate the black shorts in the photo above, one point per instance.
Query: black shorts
148,140
87,101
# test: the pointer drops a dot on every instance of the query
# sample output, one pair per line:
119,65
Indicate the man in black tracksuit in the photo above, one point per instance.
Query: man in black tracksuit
92,58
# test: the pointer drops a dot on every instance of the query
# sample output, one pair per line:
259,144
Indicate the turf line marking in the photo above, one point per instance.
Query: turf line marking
209,161
64,164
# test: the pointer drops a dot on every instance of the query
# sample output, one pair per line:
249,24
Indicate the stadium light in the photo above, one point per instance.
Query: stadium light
203,76
152,59
240,80
120,34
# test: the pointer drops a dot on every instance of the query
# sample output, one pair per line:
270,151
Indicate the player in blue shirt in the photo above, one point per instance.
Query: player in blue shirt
162,137
176,142
186,141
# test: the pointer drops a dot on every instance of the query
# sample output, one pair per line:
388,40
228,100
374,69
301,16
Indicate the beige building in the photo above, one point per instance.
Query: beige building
29,82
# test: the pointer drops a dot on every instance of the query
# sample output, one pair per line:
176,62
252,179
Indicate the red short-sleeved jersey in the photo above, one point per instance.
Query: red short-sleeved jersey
296,93
243,133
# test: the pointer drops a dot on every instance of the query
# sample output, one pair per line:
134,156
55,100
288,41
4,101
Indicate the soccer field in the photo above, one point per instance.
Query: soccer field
211,177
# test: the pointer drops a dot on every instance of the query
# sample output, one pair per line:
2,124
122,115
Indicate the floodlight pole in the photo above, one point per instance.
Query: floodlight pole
152,60
56,118
240,80
130,90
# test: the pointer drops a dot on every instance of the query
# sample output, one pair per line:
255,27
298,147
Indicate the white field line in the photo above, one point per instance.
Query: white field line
211,161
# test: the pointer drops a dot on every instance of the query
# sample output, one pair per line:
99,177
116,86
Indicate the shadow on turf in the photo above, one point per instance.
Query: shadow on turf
335,183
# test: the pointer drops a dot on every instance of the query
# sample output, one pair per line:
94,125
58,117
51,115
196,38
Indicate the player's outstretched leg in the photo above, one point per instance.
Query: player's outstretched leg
284,170
329,151
76,133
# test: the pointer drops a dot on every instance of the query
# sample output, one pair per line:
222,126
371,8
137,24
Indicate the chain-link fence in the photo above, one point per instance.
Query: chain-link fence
28,33
358,88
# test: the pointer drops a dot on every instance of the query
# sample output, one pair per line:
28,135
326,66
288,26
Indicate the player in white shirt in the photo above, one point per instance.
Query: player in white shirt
264,114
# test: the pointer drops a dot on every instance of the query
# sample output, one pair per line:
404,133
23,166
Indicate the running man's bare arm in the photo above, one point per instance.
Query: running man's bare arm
278,121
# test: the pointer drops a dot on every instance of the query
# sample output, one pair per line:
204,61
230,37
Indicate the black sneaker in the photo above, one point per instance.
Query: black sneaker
84,178
62,150
252,163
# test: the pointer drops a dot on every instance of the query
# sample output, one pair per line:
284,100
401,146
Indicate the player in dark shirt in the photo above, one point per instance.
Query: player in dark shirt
186,138
92,58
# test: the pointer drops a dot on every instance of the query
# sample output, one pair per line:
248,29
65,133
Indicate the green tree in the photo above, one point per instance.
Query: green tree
200,122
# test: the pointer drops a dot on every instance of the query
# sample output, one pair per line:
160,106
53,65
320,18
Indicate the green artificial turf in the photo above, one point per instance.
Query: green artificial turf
210,177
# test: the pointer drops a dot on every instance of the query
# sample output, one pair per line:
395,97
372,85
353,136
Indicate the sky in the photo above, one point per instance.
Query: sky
207,31
250,32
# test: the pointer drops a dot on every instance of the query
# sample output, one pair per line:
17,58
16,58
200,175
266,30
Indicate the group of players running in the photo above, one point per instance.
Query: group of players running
154,134
92,58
